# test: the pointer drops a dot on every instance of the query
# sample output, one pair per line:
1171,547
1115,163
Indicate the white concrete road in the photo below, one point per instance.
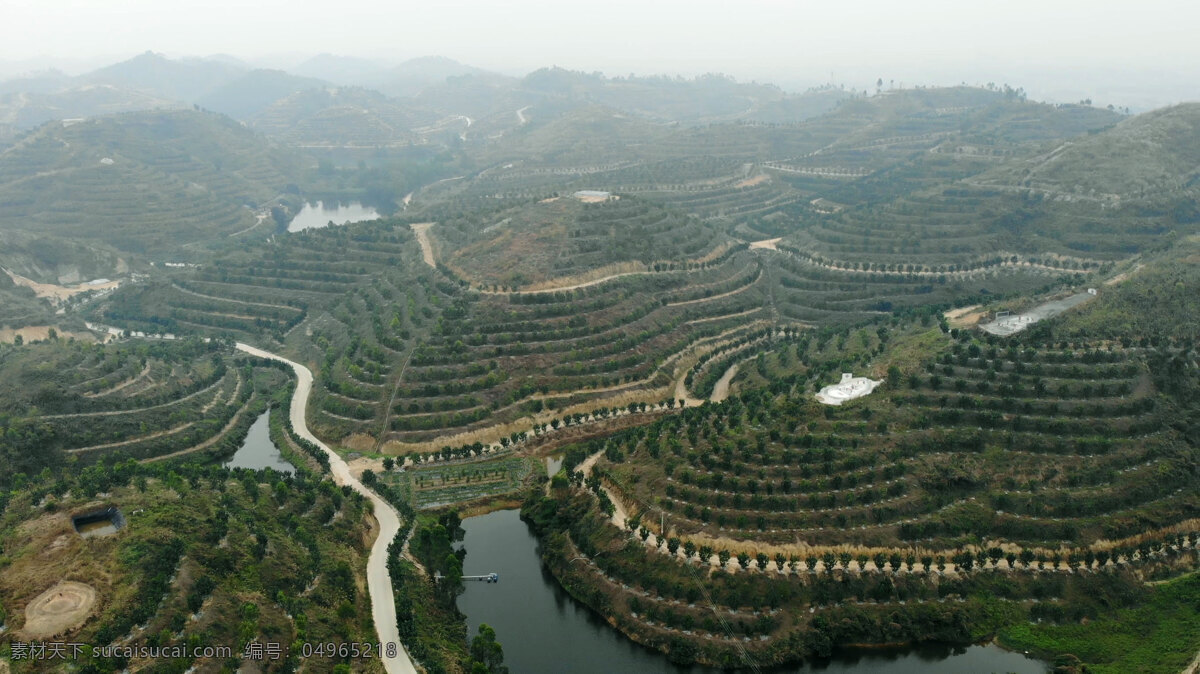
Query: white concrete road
379,583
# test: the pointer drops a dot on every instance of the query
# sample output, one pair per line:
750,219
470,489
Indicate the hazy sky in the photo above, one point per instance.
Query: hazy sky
1125,45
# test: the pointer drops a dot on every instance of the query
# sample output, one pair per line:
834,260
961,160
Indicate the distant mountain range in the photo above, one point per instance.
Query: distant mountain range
422,90
150,81
153,152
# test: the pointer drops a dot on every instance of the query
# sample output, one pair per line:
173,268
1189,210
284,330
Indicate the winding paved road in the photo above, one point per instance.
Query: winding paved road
379,583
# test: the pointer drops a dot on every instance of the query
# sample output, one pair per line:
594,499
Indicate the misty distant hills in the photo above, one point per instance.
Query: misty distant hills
756,159
251,93
347,70
406,79
44,82
28,110
353,116
427,89
184,80
705,98
415,75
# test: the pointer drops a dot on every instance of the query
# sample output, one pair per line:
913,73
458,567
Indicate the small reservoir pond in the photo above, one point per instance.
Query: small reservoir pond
99,523
258,452
315,216
542,629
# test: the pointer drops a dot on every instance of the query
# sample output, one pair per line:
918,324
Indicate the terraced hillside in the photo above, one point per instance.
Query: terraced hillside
1151,301
986,483
1062,204
408,352
411,353
549,242
912,464
143,182
501,357
661,301
267,290
820,291
1148,157
84,403
767,179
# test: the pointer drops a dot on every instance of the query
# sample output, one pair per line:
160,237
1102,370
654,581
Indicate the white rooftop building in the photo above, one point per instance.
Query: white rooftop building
849,388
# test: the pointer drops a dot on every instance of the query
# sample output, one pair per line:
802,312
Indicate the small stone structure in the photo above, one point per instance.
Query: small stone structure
849,388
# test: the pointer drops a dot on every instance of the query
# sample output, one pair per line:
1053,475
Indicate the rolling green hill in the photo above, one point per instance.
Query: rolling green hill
150,182
1151,157
531,243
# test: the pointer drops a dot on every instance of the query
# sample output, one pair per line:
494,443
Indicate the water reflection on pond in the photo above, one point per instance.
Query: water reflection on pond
542,629
314,216
258,452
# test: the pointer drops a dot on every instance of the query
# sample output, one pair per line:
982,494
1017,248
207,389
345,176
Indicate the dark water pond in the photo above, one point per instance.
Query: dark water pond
542,629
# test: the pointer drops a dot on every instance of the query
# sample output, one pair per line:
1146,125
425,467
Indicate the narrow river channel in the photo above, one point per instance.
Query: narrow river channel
542,629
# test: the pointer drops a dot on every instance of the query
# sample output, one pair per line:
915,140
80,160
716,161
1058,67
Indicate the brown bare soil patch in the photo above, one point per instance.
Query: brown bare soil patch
57,293
357,466
359,442
488,504
58,610
768,244
965,317
751,182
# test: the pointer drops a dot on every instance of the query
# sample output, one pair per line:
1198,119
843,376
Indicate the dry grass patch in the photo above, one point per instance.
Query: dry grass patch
40,333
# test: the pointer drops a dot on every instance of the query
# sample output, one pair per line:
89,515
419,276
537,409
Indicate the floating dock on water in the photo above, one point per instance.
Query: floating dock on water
487,578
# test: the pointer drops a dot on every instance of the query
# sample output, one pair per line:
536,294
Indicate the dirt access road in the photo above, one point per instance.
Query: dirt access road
421,229
379,583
